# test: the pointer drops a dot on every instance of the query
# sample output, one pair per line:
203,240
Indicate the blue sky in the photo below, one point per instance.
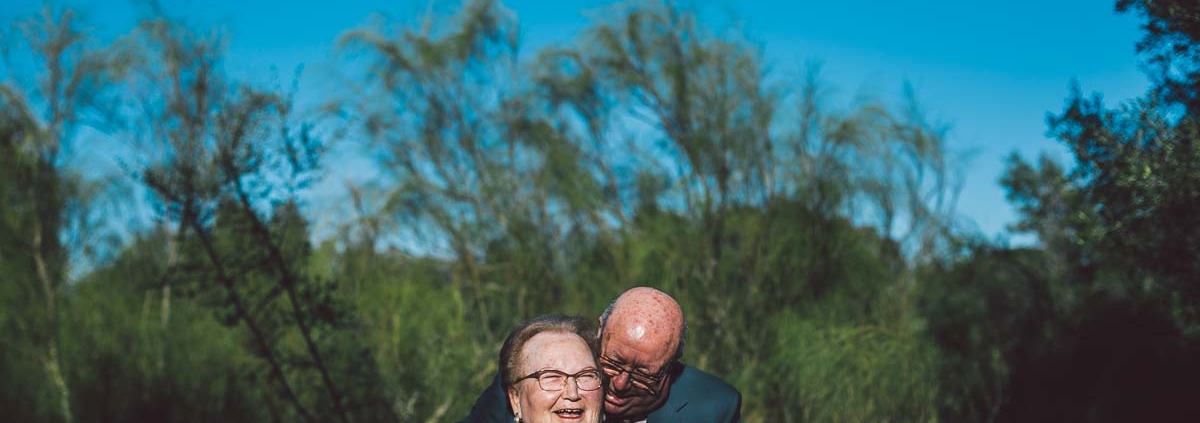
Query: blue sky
990,70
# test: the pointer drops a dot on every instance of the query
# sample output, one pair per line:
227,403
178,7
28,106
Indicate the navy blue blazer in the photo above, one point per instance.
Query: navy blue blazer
695,397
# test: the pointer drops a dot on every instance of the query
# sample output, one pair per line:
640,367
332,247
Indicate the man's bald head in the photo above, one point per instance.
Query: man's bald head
645,313
641,337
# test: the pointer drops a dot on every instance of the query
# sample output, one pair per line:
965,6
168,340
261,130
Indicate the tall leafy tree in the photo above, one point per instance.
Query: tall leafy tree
1109,296
44,198
1171,47
225,164
1121,216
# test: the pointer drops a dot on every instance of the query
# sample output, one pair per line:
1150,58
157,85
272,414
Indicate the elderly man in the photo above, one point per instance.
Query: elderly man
641,340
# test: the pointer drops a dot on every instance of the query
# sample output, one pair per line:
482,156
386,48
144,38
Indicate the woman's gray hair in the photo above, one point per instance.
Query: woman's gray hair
510,352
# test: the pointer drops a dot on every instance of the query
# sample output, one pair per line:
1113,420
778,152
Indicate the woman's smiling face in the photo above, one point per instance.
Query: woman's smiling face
565,352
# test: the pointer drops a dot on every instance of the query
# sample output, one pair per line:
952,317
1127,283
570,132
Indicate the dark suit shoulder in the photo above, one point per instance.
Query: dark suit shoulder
699,384
700,397
491,407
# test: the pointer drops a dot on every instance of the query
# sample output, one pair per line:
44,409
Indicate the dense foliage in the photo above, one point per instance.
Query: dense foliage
813,247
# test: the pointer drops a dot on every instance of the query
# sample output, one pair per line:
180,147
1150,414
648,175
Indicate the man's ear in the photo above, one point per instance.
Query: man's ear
599,326
514,401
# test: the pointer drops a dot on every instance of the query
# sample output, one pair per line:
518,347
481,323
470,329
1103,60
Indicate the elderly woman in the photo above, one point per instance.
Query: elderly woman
548,369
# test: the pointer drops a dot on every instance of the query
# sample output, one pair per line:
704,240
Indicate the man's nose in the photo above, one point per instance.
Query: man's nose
619,383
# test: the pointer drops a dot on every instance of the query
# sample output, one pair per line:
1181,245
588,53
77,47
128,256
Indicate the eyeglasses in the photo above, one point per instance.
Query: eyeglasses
641,380
554,380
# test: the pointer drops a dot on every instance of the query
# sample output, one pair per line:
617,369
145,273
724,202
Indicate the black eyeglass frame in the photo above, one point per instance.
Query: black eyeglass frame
649,383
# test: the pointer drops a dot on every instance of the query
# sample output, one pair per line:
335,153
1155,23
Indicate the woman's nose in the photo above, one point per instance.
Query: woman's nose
571,389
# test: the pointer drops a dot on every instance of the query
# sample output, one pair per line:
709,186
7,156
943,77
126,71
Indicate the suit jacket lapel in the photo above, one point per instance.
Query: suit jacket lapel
677,399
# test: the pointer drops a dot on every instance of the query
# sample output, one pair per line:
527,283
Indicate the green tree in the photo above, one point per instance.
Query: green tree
439,126
218,155
1094,322
1136,167
1171,48
129,361
43,197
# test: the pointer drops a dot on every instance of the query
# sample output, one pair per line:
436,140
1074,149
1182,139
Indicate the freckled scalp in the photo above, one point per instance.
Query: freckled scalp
648,314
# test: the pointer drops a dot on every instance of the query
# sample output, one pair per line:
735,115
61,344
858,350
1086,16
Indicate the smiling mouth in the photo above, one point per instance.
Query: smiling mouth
569,413
612,399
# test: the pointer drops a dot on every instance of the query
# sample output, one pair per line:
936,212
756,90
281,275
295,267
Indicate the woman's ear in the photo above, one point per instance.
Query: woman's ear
514,401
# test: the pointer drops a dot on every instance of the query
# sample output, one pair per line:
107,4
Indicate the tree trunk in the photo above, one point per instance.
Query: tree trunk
55,373
53,369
